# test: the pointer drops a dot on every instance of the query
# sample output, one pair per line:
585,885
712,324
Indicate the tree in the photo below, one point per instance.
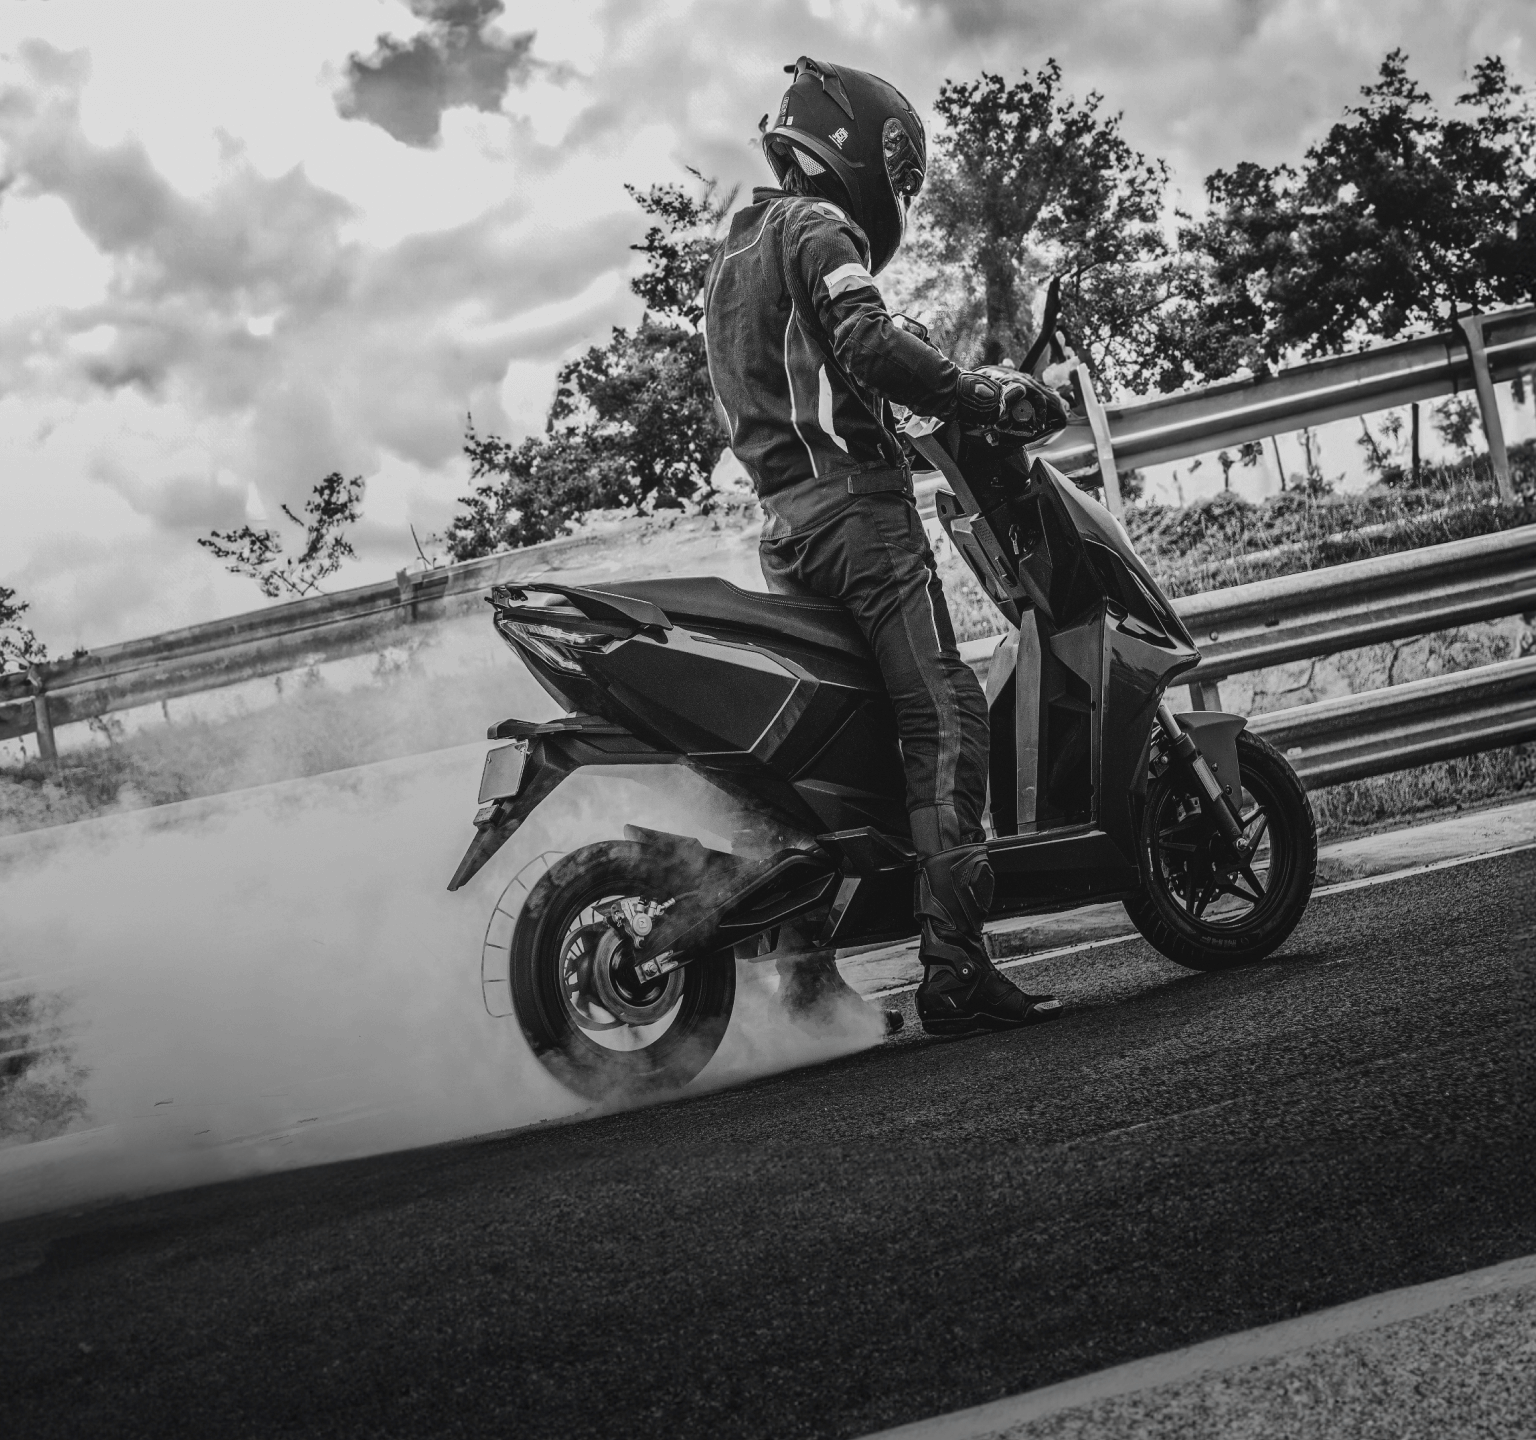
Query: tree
1456,419
1383,451
1248,454
1026,182
632,424
1314,483
333,504
19,647
679,248
1399,218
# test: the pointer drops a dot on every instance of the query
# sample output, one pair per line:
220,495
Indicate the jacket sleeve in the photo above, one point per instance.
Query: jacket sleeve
826,249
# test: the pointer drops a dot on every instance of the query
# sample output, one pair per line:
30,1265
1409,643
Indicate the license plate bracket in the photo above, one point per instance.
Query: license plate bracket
504,770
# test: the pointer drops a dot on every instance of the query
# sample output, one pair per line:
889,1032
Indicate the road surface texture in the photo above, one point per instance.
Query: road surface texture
915,1229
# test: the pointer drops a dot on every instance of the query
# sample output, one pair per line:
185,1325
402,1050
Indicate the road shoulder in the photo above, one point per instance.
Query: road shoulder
1451,1357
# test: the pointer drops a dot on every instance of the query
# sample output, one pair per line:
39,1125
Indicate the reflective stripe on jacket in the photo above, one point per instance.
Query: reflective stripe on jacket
804,357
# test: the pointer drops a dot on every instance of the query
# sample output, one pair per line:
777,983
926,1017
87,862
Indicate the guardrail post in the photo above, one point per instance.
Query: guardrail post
1098,423
1205,695
407,584
1488,402
47,748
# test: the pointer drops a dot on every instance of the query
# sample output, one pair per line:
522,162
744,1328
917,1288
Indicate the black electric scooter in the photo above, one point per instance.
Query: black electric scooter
620,964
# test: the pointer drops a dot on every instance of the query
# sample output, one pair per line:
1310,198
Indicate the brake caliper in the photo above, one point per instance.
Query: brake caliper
635,919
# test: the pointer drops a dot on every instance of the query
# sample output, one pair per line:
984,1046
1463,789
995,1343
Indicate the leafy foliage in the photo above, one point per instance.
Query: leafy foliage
1456,419
19,647
1404,215
632,424
680,246
1224,539
1401,217
333,505
1027,182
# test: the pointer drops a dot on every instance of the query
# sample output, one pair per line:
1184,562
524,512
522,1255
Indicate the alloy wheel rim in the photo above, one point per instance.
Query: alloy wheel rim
1214,888
612,1010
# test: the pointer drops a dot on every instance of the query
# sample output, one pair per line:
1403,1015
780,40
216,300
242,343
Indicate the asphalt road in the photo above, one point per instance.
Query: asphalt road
917,1228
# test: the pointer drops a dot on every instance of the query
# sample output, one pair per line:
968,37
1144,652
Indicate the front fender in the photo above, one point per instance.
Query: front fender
1215,735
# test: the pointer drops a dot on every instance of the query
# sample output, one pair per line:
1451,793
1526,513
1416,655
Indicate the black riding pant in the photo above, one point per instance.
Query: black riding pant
875,558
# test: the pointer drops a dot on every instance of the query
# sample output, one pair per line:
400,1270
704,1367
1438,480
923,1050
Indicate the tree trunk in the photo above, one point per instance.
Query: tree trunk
1002,305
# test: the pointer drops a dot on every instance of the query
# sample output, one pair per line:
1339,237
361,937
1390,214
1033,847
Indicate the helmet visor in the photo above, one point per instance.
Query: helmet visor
903,165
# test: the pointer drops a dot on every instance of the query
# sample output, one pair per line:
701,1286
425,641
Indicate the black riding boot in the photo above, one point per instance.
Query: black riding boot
962,991
811,986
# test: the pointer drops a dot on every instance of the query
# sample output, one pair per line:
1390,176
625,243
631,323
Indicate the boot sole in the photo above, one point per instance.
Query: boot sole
962,1026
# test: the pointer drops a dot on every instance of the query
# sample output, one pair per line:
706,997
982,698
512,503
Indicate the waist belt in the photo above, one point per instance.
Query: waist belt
808,502
879,482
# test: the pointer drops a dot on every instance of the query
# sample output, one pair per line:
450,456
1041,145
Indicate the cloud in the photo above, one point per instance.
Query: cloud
256,291
405,86
249,306
187,505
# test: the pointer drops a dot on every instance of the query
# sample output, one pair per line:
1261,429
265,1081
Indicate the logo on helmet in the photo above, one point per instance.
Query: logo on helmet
840,137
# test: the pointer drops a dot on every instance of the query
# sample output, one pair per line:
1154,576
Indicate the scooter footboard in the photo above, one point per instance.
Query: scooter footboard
511,792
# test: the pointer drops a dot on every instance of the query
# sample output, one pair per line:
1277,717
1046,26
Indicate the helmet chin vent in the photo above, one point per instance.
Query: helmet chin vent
809,163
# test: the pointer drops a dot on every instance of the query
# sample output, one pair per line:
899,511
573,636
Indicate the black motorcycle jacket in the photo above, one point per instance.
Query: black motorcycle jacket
804,358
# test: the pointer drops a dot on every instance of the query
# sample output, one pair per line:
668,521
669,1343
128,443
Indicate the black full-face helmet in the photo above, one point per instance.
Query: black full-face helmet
846,125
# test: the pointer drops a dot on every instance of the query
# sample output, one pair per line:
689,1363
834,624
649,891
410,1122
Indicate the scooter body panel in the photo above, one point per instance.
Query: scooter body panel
781,704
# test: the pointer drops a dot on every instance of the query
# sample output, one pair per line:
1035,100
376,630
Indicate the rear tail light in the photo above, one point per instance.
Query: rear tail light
556,645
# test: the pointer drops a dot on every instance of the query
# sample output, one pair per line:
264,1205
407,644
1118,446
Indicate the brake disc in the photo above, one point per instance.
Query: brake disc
616,988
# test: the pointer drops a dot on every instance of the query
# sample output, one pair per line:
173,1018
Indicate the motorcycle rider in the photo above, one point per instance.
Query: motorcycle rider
805,361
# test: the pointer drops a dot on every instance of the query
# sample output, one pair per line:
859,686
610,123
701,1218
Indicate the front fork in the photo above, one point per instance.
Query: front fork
1220,805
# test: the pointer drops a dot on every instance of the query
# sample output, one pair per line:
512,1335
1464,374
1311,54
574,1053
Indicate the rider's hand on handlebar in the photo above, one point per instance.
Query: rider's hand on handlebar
1012,403
980,400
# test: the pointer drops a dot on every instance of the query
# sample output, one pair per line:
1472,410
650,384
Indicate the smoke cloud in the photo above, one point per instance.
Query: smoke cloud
405,86
277,977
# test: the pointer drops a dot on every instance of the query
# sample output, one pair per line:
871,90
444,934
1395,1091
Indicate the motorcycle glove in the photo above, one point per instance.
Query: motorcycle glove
979,399
1017,406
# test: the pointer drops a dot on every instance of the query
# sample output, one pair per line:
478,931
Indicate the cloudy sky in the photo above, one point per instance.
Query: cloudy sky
243,245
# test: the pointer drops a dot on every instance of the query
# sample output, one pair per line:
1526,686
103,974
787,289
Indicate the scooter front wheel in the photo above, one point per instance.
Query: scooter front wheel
1203,904
593,1023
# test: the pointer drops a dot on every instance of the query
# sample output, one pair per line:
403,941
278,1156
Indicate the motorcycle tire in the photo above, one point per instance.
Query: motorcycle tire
1196,906
599,1052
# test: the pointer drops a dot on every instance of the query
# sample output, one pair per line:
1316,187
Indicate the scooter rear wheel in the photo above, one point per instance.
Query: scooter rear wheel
1199,905
592,1023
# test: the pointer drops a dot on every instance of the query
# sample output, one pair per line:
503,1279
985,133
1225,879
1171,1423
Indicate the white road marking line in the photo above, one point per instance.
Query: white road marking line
1321,892
1247,1347
1032,959
1424,869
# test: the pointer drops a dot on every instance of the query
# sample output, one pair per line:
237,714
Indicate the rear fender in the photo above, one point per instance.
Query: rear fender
554,751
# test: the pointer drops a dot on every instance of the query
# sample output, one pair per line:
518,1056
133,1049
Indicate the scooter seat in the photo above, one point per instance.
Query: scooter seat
711,604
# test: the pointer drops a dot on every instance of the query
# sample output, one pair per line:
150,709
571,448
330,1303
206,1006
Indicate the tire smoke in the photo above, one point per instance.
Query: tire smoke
277,977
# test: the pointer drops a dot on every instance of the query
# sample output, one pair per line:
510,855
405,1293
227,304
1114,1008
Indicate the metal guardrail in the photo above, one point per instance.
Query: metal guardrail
1441,718
1416,592
261,643
1366,602
1484,350
1343,607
